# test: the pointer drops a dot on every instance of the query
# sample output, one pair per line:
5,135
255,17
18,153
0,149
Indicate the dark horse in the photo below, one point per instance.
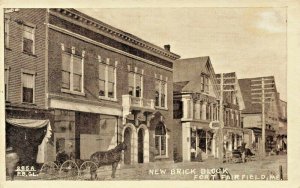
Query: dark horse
247,152
110,157
11,160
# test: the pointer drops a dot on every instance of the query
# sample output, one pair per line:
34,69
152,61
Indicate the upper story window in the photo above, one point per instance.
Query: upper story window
28,40
107,79
160,91
28,86
204,83
135,82
6,78
177,109
72,72
6,33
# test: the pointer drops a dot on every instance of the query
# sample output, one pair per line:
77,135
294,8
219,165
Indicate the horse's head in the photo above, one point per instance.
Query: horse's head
123,146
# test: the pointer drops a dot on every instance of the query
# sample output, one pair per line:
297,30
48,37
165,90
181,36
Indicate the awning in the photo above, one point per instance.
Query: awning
28,123
32,124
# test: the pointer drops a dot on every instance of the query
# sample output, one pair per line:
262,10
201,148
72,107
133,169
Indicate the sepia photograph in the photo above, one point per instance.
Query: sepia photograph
145,94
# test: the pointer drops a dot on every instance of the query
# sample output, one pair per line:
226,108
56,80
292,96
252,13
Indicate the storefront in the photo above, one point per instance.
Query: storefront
201,139
233,138
28,138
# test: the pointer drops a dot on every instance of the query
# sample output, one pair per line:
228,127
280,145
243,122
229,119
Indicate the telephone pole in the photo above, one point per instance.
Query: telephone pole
221,137
262,88
230,87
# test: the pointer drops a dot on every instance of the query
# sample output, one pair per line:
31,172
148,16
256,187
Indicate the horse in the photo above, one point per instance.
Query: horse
110,157
245,152
11,160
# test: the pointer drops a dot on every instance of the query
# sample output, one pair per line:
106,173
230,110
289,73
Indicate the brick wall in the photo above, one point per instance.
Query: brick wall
17,60
91,69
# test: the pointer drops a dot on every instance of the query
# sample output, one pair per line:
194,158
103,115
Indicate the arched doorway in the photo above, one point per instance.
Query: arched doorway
127,140
141,146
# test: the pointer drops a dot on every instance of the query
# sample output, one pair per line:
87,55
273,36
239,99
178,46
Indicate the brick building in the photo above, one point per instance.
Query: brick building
97,85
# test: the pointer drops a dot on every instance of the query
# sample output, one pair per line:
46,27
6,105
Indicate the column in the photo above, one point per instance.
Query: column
191,110
235,141
230,142
211,111
203,115
186,141
197,109
217,107
185,108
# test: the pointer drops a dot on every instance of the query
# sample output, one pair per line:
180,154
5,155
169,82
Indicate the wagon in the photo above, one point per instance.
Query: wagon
68,170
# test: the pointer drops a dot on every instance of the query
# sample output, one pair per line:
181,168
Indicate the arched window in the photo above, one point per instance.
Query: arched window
160,140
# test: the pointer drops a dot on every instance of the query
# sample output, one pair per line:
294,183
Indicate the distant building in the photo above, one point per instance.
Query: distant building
95,84
282,127
252,114
233,104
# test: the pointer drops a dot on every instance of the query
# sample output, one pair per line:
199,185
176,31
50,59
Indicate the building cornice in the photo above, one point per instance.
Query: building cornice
81,19
86,39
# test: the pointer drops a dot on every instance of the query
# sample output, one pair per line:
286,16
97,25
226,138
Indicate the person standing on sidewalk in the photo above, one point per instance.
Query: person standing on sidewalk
199,155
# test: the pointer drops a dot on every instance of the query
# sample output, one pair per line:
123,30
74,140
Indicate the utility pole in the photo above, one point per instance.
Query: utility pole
263,89
224,83
221,137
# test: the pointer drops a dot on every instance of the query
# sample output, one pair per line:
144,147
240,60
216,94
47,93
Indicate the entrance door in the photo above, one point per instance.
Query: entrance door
127,140
141,146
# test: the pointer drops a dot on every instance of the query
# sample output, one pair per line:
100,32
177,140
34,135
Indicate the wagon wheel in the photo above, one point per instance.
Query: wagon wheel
49,168
85,169
69,170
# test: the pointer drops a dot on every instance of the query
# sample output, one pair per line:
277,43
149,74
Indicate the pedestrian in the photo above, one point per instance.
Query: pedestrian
199,155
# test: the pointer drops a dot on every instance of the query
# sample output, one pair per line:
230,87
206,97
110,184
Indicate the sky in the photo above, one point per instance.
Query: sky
248,41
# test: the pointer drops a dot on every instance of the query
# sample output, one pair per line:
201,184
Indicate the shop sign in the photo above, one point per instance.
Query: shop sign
215,125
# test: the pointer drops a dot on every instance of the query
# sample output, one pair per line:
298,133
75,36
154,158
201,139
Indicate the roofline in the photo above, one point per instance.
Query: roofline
192,58
114,33
256,77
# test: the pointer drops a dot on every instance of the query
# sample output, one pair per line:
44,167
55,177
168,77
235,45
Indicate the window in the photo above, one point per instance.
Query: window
138,88
28,39
6,78
72,70
66,71
157,91
204,83
177,109
107,79
207,111
130,83
72,73
135,82
77,74
160,140
28,87
102,71
6,33
111,82
161,93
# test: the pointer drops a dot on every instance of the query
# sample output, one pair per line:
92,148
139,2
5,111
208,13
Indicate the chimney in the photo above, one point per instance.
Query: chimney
167,47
